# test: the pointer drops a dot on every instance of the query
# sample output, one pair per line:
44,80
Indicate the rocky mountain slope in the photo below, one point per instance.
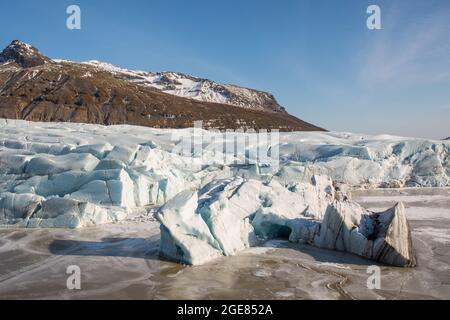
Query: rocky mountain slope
182,85
36,88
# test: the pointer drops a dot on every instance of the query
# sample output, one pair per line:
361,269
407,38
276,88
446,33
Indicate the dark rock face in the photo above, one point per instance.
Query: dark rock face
35,88
23,54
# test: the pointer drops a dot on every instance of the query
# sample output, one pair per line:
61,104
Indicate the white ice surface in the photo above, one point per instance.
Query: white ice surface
119,168
228,216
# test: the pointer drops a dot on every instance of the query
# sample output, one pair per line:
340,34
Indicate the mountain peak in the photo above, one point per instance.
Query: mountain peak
23,54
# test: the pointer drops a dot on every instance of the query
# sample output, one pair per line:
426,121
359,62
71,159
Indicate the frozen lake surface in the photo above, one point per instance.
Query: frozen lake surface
120,261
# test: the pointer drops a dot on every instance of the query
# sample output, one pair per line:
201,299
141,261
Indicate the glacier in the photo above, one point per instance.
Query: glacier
69,175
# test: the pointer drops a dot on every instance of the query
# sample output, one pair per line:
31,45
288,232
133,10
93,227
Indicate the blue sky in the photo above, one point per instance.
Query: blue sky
317,57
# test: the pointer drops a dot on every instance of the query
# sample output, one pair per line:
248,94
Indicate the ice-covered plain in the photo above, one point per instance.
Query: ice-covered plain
121,261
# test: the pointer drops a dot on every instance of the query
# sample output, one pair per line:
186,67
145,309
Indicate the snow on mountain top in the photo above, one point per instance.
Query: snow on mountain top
182,85
22,45
112,68
23,54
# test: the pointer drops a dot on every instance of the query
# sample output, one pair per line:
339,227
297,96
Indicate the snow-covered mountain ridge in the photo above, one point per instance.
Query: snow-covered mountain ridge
187,86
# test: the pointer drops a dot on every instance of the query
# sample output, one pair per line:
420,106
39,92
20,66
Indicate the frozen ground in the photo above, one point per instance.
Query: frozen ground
121,260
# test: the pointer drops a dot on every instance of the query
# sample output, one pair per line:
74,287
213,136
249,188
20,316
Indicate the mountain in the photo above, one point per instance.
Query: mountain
23,54
34,87
182,85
